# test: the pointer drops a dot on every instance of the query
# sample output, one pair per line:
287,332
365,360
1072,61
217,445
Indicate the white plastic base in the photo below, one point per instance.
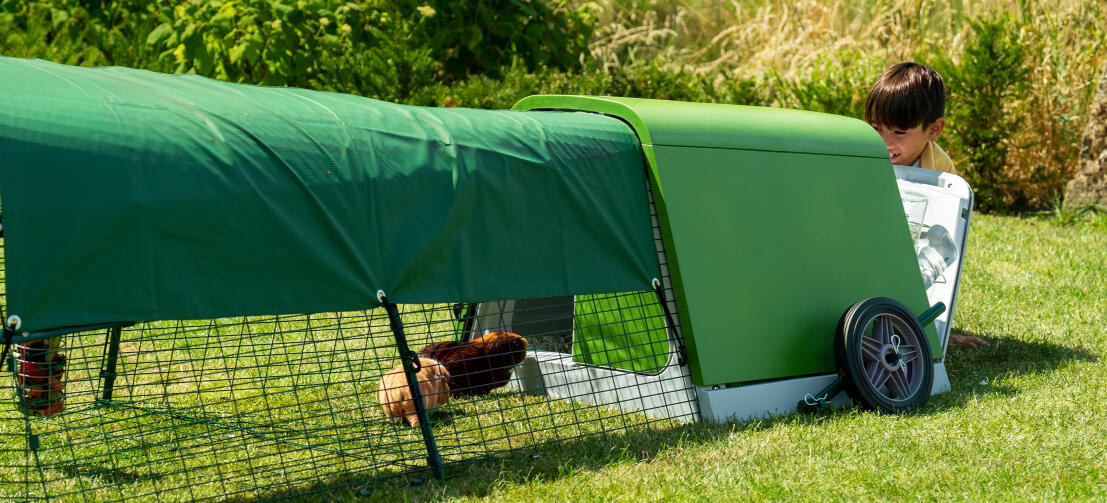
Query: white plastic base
762,400
941,379
774,398
669,394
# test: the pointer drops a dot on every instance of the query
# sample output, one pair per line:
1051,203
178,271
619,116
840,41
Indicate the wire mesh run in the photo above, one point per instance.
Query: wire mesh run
270,407
252,407
267,407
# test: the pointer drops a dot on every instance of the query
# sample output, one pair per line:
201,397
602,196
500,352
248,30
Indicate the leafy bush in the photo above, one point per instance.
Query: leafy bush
320,44
483,36
839,88
992,71
387,49
76,32
513,84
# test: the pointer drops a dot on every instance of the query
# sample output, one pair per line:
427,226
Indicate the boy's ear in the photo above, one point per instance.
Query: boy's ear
935,128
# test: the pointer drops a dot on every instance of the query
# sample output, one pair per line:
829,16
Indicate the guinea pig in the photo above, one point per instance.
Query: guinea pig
395,398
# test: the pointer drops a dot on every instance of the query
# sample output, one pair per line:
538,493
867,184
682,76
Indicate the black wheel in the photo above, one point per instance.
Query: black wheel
883,356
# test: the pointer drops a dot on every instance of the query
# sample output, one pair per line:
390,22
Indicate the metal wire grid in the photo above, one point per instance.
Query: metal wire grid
249,407
267,407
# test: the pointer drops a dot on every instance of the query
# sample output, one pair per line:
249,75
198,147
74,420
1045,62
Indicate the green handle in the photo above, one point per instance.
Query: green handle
928,316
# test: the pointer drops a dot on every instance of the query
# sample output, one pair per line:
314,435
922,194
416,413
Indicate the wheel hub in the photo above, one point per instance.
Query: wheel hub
890,358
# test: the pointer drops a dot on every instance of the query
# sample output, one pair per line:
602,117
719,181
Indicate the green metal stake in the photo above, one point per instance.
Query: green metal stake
464,316
408,359
9,360
114,335
821,400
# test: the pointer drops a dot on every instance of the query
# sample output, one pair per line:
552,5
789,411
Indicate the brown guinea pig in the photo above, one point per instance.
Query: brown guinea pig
481,365
395,397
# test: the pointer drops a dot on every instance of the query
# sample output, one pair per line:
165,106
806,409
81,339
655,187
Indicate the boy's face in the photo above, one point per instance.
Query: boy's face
905,145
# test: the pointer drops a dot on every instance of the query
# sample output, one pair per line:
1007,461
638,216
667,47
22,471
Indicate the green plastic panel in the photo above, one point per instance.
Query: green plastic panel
130,195
774,222
660,122
773,249
623,331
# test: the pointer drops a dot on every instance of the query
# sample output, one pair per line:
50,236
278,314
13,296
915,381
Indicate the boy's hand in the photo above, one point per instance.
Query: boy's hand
967,340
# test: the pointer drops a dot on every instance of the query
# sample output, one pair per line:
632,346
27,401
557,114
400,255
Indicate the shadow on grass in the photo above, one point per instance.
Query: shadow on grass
974,371
480,476
109,476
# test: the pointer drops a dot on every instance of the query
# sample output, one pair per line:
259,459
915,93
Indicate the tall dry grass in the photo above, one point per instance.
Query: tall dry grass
750,38
825,54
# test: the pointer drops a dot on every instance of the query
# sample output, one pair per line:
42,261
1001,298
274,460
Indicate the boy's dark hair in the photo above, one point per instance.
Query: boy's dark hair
905,96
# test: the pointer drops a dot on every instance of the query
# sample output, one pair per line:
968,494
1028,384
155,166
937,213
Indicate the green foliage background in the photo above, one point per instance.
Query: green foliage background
1020,74
392,50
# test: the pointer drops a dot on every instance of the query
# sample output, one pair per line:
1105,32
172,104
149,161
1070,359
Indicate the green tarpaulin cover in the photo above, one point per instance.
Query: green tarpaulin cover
130,195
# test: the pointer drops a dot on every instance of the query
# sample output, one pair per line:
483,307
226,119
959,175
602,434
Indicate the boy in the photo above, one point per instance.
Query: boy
906,106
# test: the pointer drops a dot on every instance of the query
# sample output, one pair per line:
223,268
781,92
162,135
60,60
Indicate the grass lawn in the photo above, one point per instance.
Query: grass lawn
1025,419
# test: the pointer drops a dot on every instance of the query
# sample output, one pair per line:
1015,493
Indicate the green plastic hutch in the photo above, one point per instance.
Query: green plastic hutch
774,223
